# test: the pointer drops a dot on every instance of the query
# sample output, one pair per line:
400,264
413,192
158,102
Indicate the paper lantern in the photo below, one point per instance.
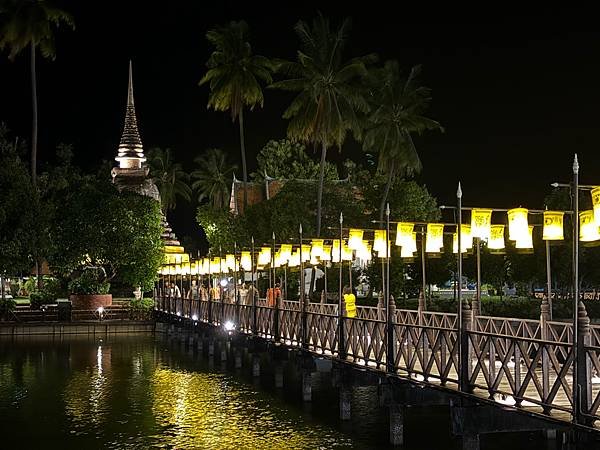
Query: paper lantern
215,265
246,261
285,251
553,226
294,260
527,241
335,251
409,247
379,241
277,260
496,240
205,266
229,262
326,253
588,230
596,204
305,252
481,221
364,252
346,253
316,249
435,237
383,253
404,233
466,239
355,239
264,256
172,269
185,268
518,227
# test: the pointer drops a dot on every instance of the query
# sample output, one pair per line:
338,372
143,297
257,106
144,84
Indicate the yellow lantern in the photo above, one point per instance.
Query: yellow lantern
553,226
264,256
481,221
215,265
185,268
364,252
355,239
588,230
230,262
496,240
305,252
285,251
277,260
326,253
466,239
527,241
172,269
382,253
518,227
379,241
335,251
596,204
316,250
294,260
246,261
346,253
205,266
409,247
404,234
435,237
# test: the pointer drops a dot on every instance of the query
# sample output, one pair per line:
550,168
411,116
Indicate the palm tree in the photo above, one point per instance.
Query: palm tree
29,23
169,177
233,76
213,178
398,105
331,93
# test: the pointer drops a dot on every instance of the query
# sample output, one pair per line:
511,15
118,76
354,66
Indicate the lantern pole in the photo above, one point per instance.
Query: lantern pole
304,332
221,288
463,375
389,330
423,272
549,279
477,302
275,299
577,413
253,289
210,287
235,292
341,343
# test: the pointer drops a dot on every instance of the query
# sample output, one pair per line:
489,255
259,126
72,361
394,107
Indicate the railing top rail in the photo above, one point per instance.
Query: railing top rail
521,338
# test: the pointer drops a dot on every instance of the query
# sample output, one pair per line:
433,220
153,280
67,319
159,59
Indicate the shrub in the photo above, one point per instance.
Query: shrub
91,281
6,306
141,309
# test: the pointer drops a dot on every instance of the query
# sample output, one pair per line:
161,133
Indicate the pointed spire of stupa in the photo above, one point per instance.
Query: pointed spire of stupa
131,152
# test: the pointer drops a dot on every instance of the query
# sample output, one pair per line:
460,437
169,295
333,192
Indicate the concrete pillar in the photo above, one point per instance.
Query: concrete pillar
306,386
345,402
238,359
279,376
385,393
255,366
470,442
396,424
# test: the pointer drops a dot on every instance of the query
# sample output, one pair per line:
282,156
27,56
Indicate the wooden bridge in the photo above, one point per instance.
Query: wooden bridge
524,364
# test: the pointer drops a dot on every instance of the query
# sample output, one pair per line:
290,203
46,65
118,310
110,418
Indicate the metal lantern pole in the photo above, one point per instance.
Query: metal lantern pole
275,299
304,333
577,413
477,310
341,343
462,335
549,279
423,272
210,287
253,289
235,292
389,330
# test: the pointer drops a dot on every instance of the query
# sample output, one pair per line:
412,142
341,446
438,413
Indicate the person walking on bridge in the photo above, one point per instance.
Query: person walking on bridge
349,302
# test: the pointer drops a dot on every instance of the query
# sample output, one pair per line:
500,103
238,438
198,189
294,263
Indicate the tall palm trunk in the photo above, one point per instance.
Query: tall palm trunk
34,121
320,191
243,149
386,192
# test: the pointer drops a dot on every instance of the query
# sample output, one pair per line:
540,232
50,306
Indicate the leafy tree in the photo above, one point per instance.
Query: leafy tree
169,177
213,178
330,91
29,23
285,159
234,75
222,228
398,104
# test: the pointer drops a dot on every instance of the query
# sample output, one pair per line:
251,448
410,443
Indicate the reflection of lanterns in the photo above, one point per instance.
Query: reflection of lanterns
326,253
316,250
496,240
264,256
527,241
553,226
518,227
481,220
466,239
596,203
355,239
409,247
379,241
435,237
404,234
588,230
285,251
246,261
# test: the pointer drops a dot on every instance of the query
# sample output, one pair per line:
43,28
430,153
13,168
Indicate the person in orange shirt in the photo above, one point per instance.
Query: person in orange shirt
273,295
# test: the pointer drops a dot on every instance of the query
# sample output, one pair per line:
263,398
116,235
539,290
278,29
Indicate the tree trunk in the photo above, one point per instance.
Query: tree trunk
386,193
243,150
320,191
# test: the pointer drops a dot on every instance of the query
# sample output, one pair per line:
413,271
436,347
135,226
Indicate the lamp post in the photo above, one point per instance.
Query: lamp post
304,332
462,332
389,357
275,299
253,289
341,343
578,352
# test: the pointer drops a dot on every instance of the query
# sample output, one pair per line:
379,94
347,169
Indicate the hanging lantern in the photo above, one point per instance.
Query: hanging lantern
305,252
264,256
205,266
355,239
364,252
215,265
466,239
294,260
435,237
481,220
527,241
409,247
277,260
588,230
404,234
596,204
230,262
285,251
518,229
335,251
185,268
316,249
346,253
246,261
382,253
326,253
496,240
553,226
379,241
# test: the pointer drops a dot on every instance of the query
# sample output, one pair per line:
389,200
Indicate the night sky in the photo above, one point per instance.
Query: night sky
517,93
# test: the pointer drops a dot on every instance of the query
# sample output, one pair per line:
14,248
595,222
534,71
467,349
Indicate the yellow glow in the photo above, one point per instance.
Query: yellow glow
435,237
496,240
596,204
355,239
185,268
518,229
316,250
246,261
264,257
215,265
466,239
404,234
326,253
379,241
364,252
383,254
335,251
285,251
230,261
481,220
174,249
305,252
205,266
588,230
346,253
409,247
294,260
526,242
553,226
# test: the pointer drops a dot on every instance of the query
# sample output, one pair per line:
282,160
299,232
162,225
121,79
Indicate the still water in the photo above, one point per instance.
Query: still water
139,392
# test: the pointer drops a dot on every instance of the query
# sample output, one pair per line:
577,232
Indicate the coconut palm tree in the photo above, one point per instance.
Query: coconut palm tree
169,177
213,178
30,23
234,76
330,90
398,104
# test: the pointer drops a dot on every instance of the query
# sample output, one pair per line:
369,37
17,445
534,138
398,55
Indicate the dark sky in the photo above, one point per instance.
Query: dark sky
517,92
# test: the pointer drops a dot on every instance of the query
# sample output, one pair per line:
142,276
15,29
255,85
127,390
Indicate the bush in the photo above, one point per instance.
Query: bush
6,306
91,281
51,289
141,309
